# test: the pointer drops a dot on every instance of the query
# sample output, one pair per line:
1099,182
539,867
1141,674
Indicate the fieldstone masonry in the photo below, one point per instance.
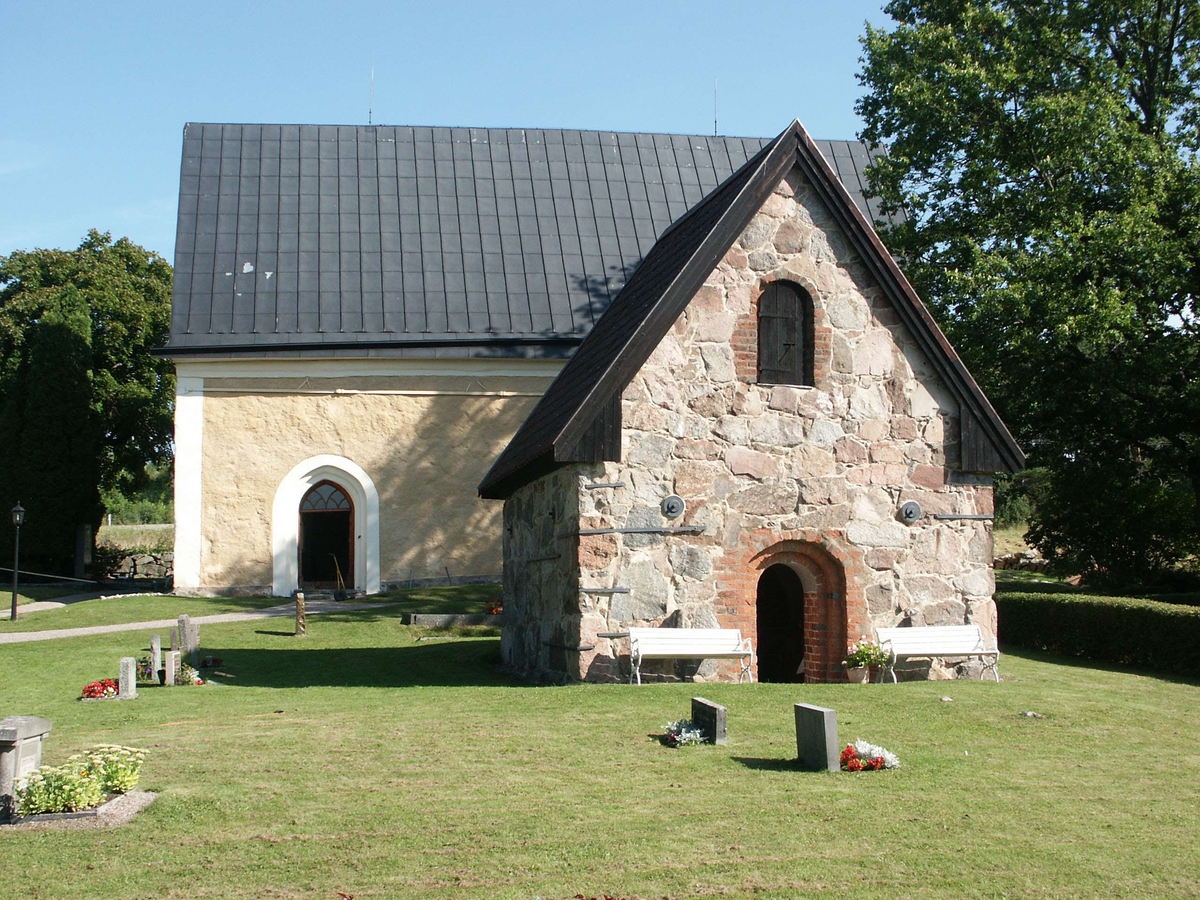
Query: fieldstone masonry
810,477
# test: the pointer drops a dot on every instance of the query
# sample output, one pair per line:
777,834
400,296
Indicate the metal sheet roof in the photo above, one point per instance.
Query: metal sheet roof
429,241
588,389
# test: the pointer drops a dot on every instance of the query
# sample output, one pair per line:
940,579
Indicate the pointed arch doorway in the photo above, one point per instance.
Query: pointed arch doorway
780,625
325,537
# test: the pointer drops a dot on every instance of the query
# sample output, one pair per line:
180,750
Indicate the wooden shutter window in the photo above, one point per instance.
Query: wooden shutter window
785,344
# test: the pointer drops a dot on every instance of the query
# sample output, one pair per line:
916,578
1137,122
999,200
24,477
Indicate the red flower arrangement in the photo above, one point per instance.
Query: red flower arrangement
851,762
101,690
863,757
495,607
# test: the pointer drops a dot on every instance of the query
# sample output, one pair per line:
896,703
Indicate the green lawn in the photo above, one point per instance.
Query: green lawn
362,760
114,610
35,592
137,538
469,598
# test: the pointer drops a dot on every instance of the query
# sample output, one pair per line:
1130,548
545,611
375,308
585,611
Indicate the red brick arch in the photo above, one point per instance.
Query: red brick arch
832,572
825,618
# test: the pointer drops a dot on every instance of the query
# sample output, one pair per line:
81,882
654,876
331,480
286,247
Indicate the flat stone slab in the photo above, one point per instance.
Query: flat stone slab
817,746
711,719
444,620
117,811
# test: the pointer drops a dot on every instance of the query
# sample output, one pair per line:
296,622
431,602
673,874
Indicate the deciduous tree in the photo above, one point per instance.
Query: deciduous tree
83,404
1044,153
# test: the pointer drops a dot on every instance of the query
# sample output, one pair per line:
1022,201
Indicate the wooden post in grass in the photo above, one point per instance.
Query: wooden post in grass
301,625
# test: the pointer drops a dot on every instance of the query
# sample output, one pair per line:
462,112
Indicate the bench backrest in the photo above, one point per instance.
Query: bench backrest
690,640
933,640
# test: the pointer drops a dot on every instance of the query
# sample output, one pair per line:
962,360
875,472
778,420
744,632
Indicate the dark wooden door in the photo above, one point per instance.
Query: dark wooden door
780,613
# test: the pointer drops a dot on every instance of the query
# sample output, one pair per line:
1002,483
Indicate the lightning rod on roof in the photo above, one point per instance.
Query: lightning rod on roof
371,98
714,107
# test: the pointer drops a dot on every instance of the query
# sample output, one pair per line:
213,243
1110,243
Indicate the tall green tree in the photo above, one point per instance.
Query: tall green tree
1045,155
83,404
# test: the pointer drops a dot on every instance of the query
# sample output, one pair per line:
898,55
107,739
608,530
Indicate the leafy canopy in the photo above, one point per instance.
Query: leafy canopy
1045,155
83,404
127,293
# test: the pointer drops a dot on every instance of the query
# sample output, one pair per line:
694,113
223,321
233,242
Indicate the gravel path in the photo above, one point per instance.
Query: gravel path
312,607
41,605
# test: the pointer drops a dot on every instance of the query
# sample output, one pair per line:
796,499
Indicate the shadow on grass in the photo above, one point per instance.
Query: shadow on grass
1080,662
448,663
769,765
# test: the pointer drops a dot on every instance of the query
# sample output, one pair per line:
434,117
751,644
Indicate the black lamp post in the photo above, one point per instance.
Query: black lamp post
18,516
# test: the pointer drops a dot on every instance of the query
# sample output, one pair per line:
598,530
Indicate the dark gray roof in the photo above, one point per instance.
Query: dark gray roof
429,241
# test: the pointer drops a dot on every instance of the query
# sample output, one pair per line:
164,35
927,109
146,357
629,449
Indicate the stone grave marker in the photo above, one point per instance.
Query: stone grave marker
817,738
128,679
189,640
20,754
155,655
175,638
171,668
710,718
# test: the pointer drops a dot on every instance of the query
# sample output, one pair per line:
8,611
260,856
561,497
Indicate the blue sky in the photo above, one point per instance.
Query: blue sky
95,96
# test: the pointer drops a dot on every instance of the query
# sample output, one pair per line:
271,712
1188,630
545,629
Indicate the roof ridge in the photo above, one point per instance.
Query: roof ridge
634,325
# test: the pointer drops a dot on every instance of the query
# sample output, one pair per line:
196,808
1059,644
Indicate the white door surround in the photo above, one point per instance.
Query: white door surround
285,521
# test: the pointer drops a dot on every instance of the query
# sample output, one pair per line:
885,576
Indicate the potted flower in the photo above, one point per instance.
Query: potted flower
860,657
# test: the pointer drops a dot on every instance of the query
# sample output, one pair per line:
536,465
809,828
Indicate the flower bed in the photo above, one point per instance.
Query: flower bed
83,782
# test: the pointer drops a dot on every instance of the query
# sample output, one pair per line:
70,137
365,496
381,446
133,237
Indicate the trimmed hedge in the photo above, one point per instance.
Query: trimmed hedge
1122,630
1189,599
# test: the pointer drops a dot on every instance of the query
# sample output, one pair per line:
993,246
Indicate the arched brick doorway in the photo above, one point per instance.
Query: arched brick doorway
823,613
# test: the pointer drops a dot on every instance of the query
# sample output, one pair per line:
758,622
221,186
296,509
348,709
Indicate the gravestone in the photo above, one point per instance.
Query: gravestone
817,739
20,754
189,640
175,644
156,660
128,679
301,624
710,718
171,668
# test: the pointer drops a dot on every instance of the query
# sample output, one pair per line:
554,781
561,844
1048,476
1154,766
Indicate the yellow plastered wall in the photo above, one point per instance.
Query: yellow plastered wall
425,452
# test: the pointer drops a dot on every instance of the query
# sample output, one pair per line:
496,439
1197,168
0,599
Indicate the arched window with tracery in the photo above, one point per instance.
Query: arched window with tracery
325,497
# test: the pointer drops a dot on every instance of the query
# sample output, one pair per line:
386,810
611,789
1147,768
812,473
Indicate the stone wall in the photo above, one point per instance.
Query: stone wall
542,610
811,477
425,453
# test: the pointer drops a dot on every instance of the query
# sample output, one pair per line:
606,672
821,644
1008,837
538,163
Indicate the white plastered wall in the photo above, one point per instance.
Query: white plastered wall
189,455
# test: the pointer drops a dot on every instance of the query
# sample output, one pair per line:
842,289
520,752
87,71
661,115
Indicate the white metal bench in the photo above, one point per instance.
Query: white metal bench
688,643
936,640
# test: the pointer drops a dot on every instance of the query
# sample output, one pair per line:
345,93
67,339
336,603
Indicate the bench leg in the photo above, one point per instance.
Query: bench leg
747,672
994,666
891,670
